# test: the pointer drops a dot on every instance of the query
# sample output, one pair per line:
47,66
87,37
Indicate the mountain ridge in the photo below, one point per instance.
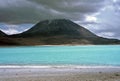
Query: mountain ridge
58,27
2,34
57,32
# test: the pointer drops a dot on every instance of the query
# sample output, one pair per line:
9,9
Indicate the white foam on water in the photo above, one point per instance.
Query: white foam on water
54,66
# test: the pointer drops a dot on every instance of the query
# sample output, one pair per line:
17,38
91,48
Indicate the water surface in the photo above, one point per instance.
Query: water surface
61,55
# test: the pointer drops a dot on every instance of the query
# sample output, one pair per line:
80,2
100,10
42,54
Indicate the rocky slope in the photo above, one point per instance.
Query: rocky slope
5,40
57,27
57,32
2,34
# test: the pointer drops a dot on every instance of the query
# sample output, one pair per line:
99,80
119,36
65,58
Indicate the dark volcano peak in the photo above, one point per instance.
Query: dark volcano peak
58,27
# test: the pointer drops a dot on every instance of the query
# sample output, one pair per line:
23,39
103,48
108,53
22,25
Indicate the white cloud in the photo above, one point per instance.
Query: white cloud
107,34
91,19
11,31
14,29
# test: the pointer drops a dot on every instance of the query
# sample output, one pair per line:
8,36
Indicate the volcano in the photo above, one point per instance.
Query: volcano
58,32
58,27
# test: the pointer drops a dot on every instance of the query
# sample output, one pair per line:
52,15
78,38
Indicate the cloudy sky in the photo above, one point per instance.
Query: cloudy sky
100,16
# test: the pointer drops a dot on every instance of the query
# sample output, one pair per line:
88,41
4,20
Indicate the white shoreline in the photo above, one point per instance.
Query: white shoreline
54,66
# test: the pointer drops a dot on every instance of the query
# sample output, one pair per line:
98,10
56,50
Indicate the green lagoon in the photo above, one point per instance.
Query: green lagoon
89,55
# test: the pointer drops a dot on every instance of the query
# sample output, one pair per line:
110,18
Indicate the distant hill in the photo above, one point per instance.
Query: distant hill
57,32
2,34
5,40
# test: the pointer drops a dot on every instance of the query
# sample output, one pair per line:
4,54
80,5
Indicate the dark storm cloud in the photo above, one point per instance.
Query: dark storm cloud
31,11
82,6
100,16
19,12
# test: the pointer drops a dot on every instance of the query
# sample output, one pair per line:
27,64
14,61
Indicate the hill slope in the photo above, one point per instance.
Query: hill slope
5,40
60,31
57,27
2,34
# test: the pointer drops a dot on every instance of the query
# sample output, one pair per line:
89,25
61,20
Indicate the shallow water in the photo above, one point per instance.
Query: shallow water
61,55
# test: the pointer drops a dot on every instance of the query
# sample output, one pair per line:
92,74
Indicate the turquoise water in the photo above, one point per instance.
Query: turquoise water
61,55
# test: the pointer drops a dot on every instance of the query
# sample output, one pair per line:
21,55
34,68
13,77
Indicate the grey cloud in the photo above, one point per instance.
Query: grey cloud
105,30
22,12
81,6
108,21
31,11
117,6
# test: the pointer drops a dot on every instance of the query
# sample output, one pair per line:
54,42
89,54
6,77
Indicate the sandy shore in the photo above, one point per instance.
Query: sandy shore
59,74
